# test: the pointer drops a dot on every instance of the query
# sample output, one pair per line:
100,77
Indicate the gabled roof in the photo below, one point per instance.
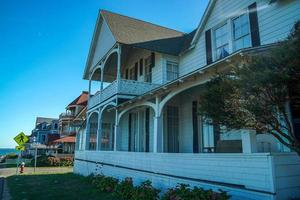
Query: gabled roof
67,139
47,120
203,21
80,100
172,46
127,30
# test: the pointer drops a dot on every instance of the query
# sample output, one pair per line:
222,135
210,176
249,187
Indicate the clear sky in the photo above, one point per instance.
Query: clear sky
43,50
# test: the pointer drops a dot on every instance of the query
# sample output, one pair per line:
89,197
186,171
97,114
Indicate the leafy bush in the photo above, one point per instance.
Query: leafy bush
105,184
146,192
66,162
41,161
125,190
11,156
28,156
183,192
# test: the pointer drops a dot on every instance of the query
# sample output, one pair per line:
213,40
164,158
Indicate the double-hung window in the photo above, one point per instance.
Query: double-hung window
221,42
241,32
148,70
172,71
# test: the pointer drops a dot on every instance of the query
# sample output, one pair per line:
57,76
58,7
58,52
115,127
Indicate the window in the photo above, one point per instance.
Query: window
172,71
221,42
172,129
148,70
241,32
126,74
132,74
141,66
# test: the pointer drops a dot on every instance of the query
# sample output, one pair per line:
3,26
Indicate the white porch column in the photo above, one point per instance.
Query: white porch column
116,130
101,84
157,136
90,87
87,134
99,131
249,141
119,64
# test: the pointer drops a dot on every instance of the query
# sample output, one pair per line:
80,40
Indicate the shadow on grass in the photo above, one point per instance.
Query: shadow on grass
54,186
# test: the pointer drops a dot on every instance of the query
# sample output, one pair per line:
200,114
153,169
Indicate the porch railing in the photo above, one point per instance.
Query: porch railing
123,87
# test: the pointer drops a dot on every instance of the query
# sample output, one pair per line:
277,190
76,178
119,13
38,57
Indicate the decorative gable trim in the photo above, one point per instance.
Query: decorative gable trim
203,21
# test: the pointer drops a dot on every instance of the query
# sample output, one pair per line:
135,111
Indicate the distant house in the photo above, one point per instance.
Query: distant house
71,123
46,130
145,123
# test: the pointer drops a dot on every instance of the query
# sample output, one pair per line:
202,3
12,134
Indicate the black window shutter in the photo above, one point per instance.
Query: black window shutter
136,70
208,46
147,128
129,133
141,66
254,25
195,128
126,74
152,59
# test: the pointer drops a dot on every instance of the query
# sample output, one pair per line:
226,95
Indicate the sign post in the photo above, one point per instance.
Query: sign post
20,139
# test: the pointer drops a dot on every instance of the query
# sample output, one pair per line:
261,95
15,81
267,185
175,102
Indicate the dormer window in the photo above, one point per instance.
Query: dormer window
241,32
221,42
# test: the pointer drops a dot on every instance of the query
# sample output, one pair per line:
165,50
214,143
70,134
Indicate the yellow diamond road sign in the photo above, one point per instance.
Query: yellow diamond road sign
21,139
20,148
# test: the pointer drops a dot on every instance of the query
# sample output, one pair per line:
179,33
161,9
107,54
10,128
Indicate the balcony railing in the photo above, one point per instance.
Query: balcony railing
66,115
125,87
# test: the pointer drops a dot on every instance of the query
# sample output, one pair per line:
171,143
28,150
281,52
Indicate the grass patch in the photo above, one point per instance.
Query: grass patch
54,186
8,166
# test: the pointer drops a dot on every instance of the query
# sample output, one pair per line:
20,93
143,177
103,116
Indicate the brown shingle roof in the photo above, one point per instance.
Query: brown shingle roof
67,139
81,100
128,30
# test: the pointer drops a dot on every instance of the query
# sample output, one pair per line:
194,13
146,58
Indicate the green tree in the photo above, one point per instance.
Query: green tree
255,94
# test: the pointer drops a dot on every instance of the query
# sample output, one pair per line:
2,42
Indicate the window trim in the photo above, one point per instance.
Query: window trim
229,27
167,71
213,36
244,12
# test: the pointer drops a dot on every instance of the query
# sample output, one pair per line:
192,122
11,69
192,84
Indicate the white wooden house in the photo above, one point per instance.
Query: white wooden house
145,123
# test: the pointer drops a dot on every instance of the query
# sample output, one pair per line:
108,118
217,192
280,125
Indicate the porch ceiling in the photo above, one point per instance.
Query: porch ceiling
210,69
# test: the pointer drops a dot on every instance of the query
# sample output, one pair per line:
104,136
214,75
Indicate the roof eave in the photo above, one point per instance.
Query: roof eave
203,21
92,47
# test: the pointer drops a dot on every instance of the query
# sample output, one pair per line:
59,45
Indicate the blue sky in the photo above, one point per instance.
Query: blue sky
43,50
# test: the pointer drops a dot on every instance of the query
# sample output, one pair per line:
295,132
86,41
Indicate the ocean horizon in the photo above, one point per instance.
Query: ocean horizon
5,151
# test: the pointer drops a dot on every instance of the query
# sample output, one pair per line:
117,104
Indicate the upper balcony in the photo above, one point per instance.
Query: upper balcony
123,88
66,116
129,74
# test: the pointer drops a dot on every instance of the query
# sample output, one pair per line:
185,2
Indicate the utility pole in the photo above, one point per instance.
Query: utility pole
35,154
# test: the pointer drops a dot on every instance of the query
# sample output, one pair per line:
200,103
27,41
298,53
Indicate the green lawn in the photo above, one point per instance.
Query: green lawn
53,186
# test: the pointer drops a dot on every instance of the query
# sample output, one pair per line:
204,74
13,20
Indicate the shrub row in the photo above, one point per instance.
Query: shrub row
125,190
46,161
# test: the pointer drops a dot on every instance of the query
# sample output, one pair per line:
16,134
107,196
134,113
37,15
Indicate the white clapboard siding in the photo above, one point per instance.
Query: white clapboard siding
253,171
275,23
105,41
287,173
